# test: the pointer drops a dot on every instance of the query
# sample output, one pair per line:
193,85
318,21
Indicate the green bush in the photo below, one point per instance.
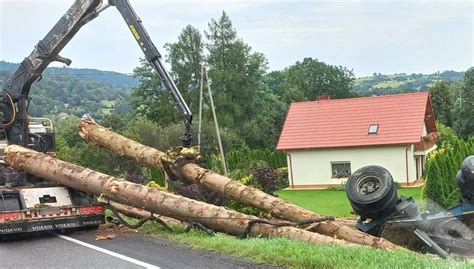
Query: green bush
265,178
245,157
156,175
249,210
340,187
448,135
441,168
283,178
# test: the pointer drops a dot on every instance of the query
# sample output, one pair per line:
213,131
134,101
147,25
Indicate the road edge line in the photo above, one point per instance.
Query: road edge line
108,252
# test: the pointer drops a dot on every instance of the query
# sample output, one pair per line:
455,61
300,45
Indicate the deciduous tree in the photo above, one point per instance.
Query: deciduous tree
465,118
442,102
314,78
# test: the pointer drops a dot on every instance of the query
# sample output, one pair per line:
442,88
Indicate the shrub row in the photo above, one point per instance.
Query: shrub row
245,157
441,168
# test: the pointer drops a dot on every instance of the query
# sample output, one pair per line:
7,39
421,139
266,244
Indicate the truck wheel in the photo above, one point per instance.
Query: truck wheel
467,169
371,191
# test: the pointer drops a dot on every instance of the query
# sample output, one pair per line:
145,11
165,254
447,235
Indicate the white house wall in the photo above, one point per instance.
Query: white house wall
309,168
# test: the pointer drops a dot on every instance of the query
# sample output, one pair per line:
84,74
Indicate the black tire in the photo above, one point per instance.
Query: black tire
466,187
371,191
467,169
79,198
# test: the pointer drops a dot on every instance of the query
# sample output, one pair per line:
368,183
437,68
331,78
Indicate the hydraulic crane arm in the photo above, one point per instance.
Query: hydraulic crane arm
16,91
17,88
154,57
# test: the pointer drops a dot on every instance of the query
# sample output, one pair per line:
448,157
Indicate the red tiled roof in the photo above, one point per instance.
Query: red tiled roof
345,122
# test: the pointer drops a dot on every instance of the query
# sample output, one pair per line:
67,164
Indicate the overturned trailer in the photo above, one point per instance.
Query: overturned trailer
373,196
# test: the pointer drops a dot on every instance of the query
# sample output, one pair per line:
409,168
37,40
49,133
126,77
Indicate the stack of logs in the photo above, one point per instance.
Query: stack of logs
141,200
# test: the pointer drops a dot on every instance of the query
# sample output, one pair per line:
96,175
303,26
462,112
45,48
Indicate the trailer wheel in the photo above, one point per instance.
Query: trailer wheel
371,191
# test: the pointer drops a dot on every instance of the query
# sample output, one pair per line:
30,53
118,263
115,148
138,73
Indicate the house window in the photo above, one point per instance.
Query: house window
373,128
340,169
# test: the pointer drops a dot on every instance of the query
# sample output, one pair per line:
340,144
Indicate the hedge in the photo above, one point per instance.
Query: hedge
245,158
441,168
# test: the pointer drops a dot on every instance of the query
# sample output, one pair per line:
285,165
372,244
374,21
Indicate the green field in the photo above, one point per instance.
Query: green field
389,84
331,202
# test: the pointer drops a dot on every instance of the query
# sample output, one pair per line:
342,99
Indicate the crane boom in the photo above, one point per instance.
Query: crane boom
16,90
154,57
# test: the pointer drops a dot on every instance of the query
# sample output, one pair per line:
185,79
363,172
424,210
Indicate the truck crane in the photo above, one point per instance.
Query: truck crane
30,204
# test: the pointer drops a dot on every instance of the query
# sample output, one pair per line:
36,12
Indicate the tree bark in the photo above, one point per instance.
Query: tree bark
217,218
98,135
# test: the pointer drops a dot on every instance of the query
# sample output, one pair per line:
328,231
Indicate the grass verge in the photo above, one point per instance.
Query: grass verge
331,202
298,254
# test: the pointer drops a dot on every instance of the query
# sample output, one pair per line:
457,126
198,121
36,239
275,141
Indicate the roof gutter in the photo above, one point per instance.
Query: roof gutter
290,168
406,162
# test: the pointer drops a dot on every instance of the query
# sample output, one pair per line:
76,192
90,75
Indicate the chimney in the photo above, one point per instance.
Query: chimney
324,98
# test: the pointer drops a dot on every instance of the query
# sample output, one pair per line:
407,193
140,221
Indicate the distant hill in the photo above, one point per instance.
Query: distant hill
73,94
106,77
379,84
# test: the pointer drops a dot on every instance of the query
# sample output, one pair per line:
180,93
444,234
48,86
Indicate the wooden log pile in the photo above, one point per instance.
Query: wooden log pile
177,207
99,136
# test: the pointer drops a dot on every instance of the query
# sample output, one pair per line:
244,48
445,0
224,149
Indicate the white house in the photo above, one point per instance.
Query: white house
327,139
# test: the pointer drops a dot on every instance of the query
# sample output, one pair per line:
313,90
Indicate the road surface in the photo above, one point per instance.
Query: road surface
81,250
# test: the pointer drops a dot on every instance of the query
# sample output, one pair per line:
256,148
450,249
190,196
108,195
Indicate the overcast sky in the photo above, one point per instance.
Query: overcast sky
366,36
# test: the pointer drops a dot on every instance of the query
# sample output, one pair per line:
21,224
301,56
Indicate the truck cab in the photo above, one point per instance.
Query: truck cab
32,204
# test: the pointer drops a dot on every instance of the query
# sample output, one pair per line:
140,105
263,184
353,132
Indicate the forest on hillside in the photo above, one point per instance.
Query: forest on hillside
379,84
56,95
107,77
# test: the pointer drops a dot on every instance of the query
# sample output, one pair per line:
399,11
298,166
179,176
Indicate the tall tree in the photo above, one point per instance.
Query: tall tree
448,135
312,78
186,58
263,130
235,72
442,102
150,99
277,81
465,118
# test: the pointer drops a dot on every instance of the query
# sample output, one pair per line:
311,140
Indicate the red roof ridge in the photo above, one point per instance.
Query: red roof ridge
396,95
359,98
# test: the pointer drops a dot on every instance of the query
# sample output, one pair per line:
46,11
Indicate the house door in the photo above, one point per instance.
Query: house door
418,167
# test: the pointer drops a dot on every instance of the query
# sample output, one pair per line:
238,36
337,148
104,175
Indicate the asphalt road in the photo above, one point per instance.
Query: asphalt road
81,250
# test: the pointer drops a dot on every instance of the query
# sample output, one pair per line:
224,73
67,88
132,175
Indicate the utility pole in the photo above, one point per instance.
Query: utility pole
200,108
204,77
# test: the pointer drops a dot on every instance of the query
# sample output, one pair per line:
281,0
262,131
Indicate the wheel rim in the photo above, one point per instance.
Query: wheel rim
455,229
368,185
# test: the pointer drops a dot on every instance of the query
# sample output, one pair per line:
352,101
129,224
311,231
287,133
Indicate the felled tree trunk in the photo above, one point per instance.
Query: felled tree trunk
152,200
138,213
98,135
